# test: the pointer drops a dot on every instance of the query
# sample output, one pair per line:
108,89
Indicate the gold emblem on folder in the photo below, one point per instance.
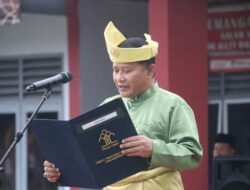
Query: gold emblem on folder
108,138
105,137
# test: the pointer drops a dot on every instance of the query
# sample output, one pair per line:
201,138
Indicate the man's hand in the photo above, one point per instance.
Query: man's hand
51,172
137,146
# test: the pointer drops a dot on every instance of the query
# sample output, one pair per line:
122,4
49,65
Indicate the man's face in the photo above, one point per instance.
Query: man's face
131,79
222,149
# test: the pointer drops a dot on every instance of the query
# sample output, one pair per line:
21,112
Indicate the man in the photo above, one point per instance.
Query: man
224,145
166,125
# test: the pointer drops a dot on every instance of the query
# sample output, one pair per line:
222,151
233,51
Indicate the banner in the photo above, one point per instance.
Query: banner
9,11
229,41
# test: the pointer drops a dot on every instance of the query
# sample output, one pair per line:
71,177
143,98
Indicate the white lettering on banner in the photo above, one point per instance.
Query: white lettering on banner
230,64
228,23
244,45
229,46
211,46
232,35
226,45
228,42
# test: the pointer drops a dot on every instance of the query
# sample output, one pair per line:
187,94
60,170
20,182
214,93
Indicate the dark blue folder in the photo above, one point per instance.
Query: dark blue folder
86,148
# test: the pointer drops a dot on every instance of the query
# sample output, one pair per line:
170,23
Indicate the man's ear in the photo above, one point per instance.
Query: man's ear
151,70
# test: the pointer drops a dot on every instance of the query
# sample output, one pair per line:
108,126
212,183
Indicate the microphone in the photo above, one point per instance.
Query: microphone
63,77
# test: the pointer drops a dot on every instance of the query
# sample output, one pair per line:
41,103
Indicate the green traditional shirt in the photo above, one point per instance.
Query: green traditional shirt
169,121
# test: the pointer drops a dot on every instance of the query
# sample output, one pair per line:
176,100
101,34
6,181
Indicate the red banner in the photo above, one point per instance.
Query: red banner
229,40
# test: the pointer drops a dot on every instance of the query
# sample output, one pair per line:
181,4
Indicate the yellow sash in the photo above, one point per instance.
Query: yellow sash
160,178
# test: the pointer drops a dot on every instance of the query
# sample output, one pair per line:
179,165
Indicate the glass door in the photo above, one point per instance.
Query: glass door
7,133
238,114
214,126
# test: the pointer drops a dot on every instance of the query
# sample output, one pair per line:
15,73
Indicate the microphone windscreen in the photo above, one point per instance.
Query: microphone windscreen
66,76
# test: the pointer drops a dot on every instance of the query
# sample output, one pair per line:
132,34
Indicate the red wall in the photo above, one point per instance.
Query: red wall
74,58
180,28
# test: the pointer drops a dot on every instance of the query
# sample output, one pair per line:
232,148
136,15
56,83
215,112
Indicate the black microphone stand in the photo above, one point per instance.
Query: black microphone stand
19,135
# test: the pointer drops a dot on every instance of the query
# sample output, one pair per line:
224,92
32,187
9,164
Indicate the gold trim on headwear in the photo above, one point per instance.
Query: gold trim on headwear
114,37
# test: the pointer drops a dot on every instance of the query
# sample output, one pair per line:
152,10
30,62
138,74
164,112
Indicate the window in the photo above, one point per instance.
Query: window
24,167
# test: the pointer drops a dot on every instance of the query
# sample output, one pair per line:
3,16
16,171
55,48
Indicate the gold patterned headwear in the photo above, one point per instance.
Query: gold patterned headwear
114,37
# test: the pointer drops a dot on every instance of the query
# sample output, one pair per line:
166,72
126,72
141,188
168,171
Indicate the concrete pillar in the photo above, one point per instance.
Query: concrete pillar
180,28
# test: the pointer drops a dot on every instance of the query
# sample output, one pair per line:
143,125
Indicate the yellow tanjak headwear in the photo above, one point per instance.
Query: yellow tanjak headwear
114,37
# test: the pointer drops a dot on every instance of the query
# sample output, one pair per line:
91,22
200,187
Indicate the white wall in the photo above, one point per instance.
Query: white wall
34,35
131,17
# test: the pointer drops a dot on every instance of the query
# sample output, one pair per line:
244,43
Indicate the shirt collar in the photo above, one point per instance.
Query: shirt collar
144,95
